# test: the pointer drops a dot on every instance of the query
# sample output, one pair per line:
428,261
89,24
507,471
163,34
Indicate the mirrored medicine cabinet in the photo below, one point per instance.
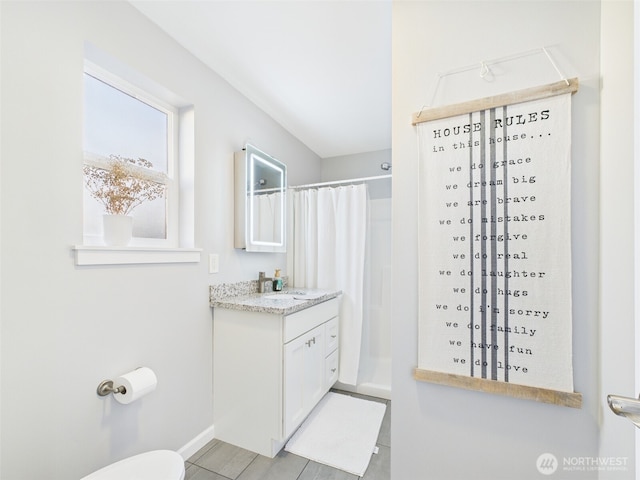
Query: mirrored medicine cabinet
260,196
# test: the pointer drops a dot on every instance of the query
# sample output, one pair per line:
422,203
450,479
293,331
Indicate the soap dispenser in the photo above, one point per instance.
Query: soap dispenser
277,281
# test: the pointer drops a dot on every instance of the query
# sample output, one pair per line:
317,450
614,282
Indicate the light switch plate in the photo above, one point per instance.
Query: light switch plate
214,263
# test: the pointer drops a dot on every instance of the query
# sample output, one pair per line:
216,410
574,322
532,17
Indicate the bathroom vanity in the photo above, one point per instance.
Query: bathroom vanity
274,357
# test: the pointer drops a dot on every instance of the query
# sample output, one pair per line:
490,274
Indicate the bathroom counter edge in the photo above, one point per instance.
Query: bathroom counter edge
256,302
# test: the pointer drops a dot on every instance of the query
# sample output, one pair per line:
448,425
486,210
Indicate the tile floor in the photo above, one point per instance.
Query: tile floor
220,461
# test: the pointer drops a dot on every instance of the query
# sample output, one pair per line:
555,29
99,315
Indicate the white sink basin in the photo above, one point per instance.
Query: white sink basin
293,296
280,296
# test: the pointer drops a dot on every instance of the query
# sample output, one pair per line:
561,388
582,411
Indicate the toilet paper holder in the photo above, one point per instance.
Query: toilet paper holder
106,387
131,386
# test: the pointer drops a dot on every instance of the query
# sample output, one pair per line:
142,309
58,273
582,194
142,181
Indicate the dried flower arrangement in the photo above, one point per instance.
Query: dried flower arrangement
124,185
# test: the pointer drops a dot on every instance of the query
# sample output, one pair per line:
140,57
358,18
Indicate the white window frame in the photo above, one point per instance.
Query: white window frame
177,247
172,176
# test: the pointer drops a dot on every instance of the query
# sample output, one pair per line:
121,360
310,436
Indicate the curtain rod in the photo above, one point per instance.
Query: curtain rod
341,182
265,190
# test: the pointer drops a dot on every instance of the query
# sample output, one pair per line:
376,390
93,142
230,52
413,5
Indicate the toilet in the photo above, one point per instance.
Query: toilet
154,465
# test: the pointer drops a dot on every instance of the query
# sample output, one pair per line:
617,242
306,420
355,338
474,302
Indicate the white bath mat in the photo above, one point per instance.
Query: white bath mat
340,432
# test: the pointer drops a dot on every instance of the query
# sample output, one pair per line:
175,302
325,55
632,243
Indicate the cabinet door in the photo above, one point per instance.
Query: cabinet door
314,362
303,377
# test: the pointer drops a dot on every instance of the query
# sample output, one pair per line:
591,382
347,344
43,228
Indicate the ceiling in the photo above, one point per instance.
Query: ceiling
320,68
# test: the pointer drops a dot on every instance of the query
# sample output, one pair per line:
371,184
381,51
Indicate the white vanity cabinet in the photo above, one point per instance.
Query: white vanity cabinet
270,371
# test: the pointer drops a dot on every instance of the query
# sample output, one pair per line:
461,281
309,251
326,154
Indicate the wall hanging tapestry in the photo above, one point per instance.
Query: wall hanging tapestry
495,244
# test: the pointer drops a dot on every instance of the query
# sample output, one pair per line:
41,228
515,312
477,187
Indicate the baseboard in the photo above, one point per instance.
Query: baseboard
369,389
197,443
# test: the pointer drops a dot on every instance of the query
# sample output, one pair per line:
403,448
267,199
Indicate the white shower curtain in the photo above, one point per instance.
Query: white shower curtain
329,232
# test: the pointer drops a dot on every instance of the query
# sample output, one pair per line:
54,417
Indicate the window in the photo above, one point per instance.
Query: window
122,121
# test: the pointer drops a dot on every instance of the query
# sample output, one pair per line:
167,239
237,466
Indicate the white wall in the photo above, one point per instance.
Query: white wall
365,164
617,365
447,433
64,328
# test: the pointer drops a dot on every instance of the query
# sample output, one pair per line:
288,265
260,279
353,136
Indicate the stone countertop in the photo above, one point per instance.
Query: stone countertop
286,302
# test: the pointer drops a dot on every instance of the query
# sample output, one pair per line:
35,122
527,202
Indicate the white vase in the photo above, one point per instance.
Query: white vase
117,230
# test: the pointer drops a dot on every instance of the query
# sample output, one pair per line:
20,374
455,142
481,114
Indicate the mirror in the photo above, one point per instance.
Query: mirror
260,191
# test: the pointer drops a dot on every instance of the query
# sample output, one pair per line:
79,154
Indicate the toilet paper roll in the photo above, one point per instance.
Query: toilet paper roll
138,383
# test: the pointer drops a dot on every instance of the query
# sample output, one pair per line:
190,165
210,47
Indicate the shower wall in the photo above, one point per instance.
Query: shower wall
374,376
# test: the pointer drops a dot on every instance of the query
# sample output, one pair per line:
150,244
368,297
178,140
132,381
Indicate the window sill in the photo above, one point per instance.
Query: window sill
99,255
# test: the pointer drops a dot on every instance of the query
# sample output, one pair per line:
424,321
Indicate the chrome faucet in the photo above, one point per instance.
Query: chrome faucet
261,281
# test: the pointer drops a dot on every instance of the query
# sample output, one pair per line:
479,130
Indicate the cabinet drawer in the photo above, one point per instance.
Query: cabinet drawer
300,322
331,370
331,336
